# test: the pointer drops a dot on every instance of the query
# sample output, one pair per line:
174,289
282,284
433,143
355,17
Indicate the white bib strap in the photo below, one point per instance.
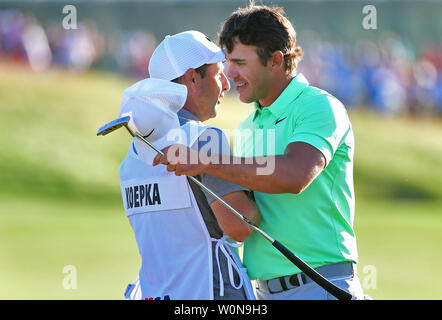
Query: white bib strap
220,244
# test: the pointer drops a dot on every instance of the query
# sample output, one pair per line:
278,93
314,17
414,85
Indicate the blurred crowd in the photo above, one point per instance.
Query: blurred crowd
24,40
389,75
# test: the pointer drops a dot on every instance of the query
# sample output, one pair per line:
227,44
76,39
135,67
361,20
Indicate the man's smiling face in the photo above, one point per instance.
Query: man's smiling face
251,77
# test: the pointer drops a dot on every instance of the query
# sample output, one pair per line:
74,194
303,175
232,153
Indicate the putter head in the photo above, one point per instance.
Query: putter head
113,125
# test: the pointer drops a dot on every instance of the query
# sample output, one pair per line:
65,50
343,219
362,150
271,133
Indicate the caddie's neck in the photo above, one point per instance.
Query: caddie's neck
191,108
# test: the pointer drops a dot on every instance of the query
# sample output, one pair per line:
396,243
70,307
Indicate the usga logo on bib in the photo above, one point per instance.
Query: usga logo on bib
158,298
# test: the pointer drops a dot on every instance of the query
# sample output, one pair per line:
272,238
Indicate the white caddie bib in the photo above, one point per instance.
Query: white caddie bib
173,240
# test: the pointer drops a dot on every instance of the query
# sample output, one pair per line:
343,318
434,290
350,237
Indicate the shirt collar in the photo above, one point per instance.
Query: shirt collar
185,116
290,93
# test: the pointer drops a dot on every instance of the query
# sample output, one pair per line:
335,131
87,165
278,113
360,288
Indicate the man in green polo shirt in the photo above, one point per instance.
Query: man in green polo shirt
304,138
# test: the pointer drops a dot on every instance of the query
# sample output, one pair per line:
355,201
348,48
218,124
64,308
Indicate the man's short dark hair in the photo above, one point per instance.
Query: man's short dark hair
264,27
200,70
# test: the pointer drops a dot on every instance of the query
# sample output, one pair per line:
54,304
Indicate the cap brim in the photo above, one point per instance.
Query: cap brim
218,57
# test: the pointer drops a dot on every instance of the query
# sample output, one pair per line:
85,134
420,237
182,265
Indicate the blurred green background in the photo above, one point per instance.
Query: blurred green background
60,203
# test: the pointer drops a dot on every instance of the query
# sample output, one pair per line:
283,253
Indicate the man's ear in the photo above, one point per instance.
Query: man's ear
277,60
191,78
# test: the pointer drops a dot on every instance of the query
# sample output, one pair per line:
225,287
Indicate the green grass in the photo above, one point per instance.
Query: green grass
60,202
40,237
401,240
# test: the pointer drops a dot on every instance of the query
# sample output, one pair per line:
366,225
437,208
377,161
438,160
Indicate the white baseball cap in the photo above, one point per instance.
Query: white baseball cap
183,51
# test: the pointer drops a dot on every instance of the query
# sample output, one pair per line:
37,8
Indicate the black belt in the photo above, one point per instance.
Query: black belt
284,283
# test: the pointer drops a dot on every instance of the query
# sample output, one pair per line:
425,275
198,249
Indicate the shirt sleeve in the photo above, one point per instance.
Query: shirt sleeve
214,141
323,123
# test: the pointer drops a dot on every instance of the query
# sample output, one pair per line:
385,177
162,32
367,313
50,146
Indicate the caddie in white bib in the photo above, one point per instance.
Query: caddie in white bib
180,256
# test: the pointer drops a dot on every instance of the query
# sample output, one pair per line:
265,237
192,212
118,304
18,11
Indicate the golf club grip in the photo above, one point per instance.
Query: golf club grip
313,274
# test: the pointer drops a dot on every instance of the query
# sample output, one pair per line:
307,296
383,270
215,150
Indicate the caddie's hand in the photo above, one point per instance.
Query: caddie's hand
180,159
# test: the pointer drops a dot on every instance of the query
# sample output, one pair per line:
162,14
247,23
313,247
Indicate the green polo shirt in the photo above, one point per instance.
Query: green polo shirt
317,224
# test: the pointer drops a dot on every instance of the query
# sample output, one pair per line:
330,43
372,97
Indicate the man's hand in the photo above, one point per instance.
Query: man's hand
181,160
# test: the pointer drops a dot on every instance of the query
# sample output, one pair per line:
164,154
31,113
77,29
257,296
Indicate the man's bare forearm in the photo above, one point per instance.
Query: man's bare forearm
291,172
277,175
